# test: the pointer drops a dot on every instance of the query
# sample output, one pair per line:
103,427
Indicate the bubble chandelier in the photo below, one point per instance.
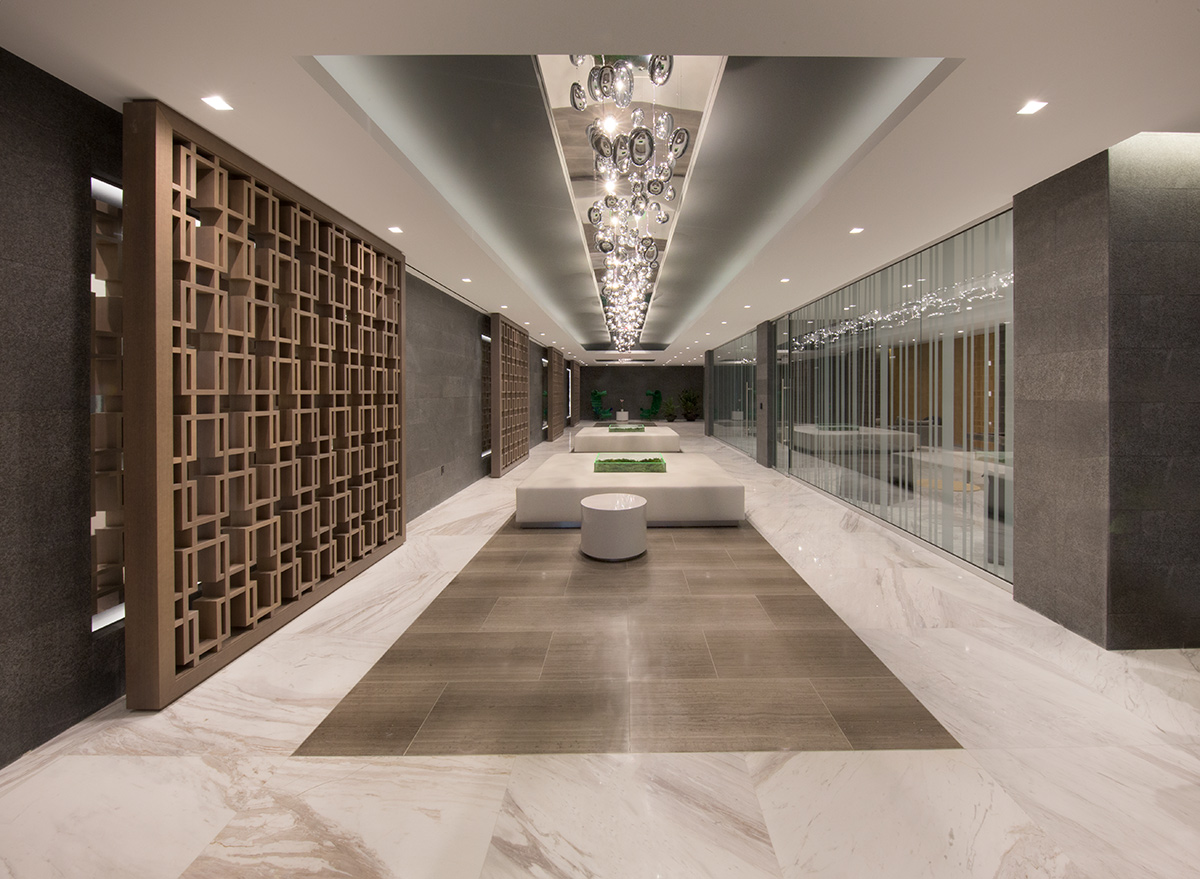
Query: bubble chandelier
635,154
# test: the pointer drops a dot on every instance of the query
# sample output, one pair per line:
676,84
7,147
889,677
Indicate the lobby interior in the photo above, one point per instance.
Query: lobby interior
1036,716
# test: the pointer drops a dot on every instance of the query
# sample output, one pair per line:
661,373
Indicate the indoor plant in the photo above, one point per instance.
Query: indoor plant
689,402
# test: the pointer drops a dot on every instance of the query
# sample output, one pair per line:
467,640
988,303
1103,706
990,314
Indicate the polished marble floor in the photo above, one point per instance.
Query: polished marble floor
1074,762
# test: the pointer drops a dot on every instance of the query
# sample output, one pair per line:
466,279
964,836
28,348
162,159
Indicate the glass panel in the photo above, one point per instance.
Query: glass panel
734,365
895,394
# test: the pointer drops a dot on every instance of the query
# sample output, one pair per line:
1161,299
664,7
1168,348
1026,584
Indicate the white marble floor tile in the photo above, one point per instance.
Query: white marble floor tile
122,817
1120,813
416,818
1160,686
437,552
266,702
375,611
899,814
631,815
990,694
67,742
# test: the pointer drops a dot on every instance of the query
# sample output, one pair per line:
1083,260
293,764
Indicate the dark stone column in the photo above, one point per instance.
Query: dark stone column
537,384
443,360
764,394
708,392
1107,407
53,671
1154,392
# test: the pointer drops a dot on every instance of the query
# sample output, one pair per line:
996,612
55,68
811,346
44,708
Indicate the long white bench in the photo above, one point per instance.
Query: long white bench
694,491
601,439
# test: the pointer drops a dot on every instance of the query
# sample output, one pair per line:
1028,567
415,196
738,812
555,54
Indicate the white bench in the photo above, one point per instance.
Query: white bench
694,491
601,439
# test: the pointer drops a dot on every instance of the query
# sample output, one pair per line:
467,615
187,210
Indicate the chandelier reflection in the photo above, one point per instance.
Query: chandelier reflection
635,154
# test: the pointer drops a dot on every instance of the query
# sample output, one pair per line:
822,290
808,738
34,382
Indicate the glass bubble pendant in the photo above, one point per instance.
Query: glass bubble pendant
660,68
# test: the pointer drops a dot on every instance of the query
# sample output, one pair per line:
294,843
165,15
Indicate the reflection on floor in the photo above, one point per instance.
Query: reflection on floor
1074,762
708,642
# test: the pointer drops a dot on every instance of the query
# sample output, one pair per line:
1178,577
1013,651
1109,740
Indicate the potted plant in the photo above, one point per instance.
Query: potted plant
689,402
668,410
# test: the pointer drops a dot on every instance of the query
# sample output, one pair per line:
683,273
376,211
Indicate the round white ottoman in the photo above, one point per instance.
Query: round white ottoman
613,526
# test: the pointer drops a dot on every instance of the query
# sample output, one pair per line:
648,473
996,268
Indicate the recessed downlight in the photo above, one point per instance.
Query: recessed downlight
1030,108
466,280
395,230
856,230
784,280
504,306
217,102
745,306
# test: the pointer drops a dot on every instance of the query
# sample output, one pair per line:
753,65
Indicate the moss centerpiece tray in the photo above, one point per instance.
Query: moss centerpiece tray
627,428
629,464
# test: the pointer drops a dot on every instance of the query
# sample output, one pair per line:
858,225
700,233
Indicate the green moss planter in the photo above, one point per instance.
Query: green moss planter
627,428
612,464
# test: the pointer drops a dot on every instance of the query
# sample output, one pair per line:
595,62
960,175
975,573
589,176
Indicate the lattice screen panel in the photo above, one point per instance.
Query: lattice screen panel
510,394
285,425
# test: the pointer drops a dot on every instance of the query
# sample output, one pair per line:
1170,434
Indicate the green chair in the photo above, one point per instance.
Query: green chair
598,409
655,405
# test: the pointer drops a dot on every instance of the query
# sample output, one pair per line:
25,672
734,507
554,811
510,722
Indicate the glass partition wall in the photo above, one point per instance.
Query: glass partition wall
734,365
895,394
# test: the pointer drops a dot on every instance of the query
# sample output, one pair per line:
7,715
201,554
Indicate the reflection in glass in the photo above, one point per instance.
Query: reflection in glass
895,394
733,386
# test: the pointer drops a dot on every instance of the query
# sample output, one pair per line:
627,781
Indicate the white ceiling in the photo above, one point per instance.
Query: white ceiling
1108,69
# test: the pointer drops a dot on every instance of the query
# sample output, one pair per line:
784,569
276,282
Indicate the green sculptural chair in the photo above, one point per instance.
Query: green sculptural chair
655,405
598,410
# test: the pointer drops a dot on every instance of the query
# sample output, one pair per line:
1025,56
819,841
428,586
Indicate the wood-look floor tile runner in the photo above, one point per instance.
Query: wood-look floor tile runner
708,642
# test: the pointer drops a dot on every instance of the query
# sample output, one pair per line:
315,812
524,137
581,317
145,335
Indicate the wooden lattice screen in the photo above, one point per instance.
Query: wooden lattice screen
510,394
264,402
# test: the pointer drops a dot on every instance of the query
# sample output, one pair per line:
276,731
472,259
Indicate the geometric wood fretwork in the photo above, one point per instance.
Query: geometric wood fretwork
556,409
510,395
265,385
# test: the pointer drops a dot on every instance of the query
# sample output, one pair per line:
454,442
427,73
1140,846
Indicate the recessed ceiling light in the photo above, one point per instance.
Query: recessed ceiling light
856,230
708,334
745,306
217,102
541,334
724,322
1030,108
504,306
784,280
466,280
395,230
526,323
